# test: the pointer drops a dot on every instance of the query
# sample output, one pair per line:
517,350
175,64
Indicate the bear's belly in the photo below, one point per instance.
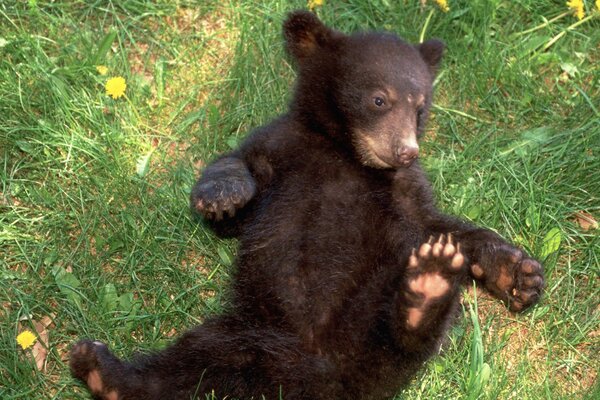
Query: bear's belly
305,263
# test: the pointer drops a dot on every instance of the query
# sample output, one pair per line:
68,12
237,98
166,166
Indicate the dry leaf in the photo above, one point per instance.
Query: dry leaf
586,221
40,348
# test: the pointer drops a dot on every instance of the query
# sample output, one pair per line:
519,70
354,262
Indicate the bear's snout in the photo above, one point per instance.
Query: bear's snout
405,155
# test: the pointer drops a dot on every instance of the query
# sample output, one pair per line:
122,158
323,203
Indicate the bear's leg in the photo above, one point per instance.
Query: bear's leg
219,357
424,307
503,269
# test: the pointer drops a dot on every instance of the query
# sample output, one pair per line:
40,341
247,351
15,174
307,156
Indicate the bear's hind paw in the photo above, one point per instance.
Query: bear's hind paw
86,363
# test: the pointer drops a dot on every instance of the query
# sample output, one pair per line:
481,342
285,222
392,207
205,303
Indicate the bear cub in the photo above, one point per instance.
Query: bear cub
347,276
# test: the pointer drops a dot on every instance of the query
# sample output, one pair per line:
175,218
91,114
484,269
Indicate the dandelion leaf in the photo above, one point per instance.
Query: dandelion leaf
552,242
143,164
67,284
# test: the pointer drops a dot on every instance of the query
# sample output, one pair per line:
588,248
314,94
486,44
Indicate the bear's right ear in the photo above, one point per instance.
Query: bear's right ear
432,51
304,33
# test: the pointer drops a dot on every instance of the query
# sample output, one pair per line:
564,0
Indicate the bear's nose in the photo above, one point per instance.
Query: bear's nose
407,154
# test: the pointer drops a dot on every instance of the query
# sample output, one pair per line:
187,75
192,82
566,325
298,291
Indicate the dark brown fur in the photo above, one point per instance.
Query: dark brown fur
339,291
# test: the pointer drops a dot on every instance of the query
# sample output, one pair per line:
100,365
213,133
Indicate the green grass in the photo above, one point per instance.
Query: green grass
103,242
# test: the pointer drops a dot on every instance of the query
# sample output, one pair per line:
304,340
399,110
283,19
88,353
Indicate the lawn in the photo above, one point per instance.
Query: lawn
96,237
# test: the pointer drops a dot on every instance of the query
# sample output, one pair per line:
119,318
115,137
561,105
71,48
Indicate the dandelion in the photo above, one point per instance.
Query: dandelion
26,339
598,5
102,69
577,7
115,87
312,4
443,4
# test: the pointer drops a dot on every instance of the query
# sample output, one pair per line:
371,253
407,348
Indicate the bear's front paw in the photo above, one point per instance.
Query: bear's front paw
225,187
516,279
215,199
434,272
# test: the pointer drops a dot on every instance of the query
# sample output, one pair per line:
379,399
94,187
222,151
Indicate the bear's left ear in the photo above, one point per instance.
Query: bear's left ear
432,52
304,33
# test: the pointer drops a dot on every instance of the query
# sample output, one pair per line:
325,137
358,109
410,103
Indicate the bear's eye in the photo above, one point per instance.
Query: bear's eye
379,102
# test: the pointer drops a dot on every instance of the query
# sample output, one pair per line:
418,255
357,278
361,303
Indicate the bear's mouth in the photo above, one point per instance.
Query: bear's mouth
368,155
394,164
379,162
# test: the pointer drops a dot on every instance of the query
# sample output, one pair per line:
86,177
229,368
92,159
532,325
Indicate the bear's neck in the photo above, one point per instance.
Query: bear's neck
321,124
312,104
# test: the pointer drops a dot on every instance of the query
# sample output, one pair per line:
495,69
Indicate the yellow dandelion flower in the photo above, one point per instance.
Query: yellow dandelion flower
443,4
598,4
312,4
26,339
102,69
115,87
577,7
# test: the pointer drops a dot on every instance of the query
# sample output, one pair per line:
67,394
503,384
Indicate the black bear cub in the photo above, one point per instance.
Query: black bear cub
347,275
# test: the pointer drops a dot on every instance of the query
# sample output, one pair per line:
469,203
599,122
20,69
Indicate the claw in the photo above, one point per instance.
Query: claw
413,261
437,248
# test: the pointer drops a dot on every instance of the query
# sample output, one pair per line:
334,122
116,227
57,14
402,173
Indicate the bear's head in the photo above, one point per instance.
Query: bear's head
371,91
